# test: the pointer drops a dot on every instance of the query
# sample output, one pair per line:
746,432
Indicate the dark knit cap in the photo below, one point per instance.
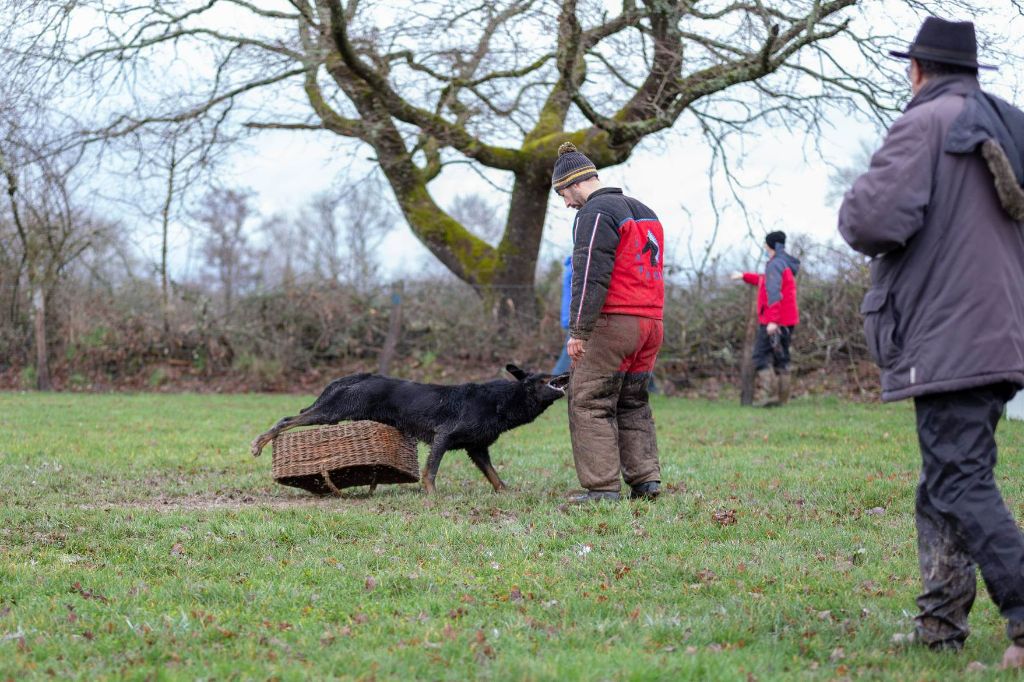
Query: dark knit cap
773,238
572,166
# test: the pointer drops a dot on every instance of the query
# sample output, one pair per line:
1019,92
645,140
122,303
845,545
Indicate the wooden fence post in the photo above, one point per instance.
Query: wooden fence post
747,364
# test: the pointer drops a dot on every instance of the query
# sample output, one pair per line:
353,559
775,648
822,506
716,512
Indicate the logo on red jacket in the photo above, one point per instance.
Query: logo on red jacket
652,247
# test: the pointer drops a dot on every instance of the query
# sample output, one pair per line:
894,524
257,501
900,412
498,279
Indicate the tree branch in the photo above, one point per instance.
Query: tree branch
751,66
495,157
131,125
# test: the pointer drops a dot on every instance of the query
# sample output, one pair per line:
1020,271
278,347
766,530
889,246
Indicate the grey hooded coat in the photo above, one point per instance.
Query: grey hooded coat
945,311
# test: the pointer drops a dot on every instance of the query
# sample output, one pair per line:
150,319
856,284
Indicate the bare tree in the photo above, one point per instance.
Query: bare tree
224,216
279,261
496,85
52,230
342,233
367,220
180,155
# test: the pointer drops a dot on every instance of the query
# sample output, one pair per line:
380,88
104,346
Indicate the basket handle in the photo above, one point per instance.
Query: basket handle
327,480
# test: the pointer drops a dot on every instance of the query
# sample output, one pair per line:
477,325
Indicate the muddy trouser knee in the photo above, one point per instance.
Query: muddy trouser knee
638,444
619,354
961,517
593,428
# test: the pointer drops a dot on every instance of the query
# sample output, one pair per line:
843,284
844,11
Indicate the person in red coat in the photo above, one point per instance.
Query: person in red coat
777,315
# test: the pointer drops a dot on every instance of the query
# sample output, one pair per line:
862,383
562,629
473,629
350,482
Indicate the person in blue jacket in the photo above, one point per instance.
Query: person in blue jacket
564,361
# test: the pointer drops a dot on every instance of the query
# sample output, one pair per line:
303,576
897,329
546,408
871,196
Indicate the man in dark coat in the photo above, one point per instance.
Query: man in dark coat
777,316
615,331
944,318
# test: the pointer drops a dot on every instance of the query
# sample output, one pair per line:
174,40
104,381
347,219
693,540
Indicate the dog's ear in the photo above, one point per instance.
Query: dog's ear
560,381
516,372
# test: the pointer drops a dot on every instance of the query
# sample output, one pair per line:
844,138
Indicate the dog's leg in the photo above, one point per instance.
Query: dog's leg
438,447
306,418
482,459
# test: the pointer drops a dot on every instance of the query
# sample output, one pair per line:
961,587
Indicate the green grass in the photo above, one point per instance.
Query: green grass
138,539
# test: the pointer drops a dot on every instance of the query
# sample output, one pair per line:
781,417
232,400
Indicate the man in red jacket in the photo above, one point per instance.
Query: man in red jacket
615,330
778,314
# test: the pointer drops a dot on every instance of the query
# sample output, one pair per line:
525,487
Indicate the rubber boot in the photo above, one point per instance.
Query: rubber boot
784,384
767,395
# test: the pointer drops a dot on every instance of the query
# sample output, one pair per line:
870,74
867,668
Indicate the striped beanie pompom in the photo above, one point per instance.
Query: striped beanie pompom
571,167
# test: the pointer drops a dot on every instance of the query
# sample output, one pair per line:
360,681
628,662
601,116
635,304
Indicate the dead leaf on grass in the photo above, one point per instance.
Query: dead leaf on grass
976,667
675,488
837,654
724,517
482,650
371,583
88,594
707,575
177,549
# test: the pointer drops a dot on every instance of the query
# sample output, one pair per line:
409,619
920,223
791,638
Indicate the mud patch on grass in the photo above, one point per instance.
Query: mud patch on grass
238,500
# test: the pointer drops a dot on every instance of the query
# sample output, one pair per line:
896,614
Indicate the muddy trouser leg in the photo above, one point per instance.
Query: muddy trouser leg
782,382
594,387
962,517
947,575
780,355
638,443
763,356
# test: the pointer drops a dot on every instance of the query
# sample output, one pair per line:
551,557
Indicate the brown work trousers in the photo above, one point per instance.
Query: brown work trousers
610,420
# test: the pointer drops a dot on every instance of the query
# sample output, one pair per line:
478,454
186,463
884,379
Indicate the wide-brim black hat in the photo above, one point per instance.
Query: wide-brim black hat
948,42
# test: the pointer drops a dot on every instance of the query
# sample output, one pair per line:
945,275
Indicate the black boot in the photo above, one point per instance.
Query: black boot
645,491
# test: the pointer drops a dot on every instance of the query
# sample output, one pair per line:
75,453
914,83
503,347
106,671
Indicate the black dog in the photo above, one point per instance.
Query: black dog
466,417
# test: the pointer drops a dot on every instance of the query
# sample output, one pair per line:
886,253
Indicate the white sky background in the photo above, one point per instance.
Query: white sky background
787,179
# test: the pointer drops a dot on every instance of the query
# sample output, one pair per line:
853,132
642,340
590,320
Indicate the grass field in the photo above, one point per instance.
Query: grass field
138,539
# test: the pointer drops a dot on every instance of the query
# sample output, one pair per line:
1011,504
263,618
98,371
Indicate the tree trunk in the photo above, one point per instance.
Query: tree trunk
165,219
42,357
747,366
520,245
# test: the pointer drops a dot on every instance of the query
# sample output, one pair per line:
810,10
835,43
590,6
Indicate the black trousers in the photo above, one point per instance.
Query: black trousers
767,356
962,521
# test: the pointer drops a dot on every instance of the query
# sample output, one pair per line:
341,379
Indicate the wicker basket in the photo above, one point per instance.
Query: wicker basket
325,459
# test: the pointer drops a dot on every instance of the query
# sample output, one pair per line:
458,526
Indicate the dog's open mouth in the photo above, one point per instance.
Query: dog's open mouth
559,383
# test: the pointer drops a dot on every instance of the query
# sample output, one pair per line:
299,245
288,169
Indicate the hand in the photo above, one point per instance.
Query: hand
576,348
736,275
773,329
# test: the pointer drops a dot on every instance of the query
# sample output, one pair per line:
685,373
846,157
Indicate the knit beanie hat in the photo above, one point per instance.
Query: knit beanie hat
571,167
774,238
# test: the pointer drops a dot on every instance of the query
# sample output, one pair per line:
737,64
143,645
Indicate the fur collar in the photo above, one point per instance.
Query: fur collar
1011,194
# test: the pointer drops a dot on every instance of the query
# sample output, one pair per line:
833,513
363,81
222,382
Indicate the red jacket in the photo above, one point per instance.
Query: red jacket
617,262
776,290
